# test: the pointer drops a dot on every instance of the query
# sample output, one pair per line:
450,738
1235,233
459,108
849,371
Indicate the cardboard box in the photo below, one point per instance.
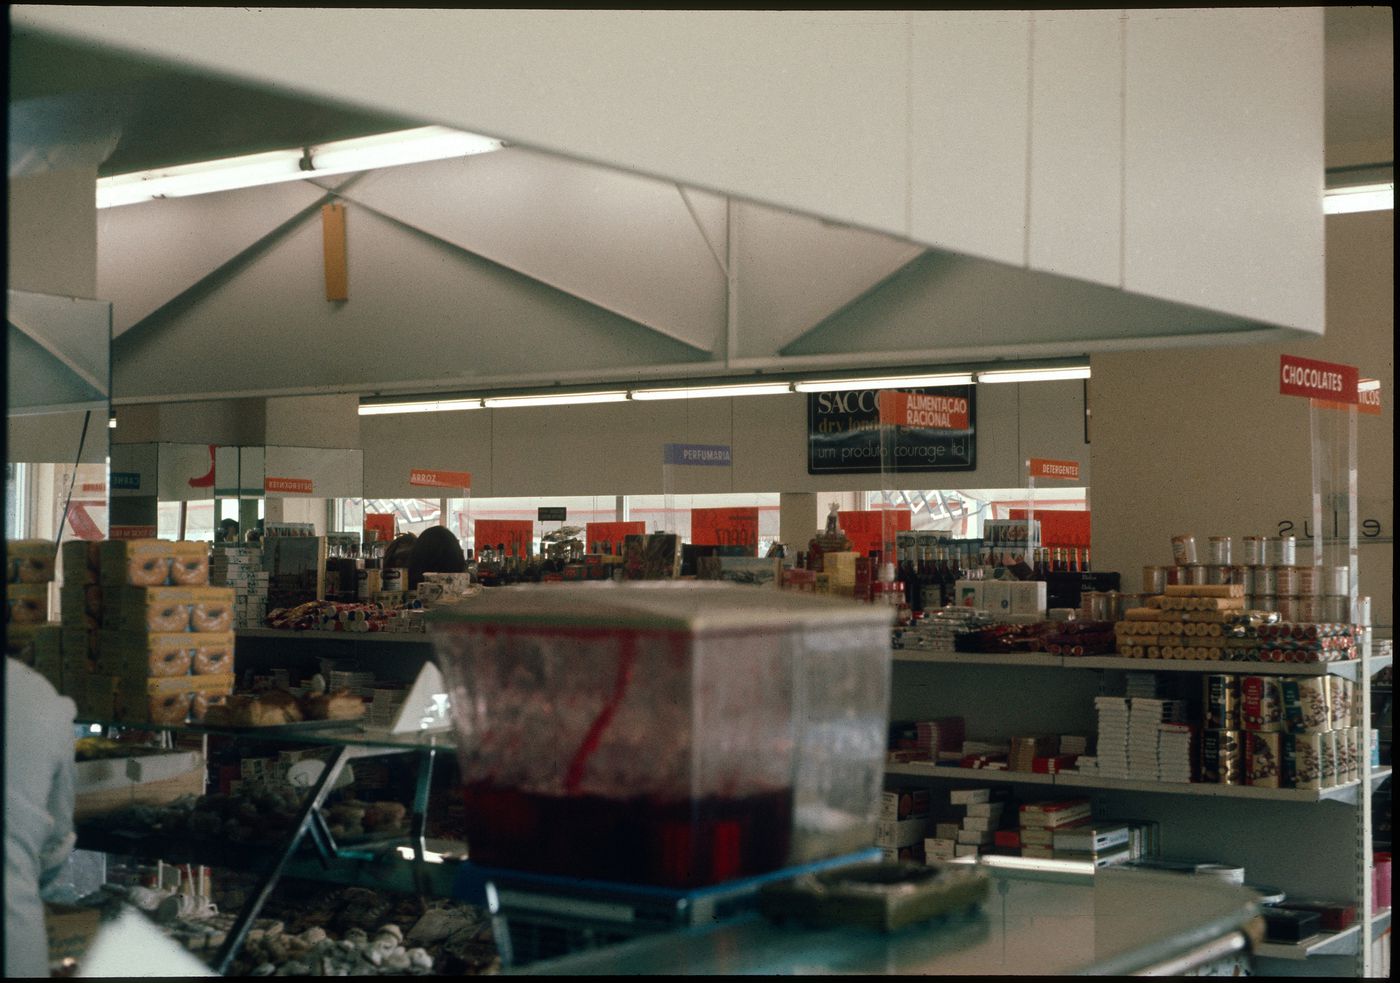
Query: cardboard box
29,561
80,606
968,796
996,597
153,563
144,655
81,562
26,604
168,609
113,784
1028,597
900,832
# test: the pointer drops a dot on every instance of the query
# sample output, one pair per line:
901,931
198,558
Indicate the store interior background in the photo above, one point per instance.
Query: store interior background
581,265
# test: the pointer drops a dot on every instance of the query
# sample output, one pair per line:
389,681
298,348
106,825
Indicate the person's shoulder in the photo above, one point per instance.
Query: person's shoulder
26,687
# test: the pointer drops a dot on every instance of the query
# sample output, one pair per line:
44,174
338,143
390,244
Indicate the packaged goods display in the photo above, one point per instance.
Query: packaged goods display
609,737
241,568
356,618
29,561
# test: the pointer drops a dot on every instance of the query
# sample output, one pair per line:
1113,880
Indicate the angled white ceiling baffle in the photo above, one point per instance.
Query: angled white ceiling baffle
717,193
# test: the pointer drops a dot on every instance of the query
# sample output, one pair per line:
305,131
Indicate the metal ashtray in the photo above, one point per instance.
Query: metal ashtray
885,896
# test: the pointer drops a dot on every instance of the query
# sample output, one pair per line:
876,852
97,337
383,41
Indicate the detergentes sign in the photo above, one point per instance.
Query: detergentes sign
929,411
1320,380
1044,468
844,432
288,486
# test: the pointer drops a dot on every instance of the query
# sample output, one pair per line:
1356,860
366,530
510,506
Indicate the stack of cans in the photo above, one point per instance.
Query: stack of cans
1222,742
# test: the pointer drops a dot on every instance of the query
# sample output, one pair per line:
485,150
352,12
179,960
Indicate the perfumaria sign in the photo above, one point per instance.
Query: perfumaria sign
937,431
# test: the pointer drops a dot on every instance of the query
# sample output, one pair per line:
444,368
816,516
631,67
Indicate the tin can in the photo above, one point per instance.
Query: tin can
1176,575
1336,609
1217,574
1302,756
1222,757
1113,606
1306,704
1286,580
1266,602
1336,580
1252,550
392,579
1281,551
1308,580
1220,549
1352,756
1261,703
1263,759
1247,578
1363,615
1184,549
1265,580
1221,694
1154,580
1310,609
1195,573
1331,755
1288,608
1096,606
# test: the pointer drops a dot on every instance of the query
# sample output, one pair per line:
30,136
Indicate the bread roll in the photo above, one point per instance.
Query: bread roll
190,570
168,660
341,705
212,660
212,617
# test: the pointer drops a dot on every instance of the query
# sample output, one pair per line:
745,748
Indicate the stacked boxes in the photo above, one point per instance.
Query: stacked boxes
1112,756
240,567
927,740
1098,844
899,832
80,613
970,827
29,635
1040,821
1145,719
165,652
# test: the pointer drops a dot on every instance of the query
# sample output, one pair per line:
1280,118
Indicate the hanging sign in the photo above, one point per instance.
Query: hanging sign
710,455
556,513
515,536
1040,467
432,478
724,527
1320,380
927,411
82,523
287,486
866,528
1059,527
1368,399
844,432
132,532
606,537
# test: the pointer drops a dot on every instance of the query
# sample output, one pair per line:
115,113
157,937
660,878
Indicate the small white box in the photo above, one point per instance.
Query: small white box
898,833
1028,597
969,796
967,850
969,593
974,836
996,596
947,831
985,808
981,823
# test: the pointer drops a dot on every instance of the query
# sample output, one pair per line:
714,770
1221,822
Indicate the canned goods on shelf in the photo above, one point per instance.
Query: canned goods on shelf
1195,574
1266,602
1154,580
1247,578
1252,550
1265,580
1288,608
1176,575
1281,551
1184,549
1336,608
1220,549
1286,580
1337,580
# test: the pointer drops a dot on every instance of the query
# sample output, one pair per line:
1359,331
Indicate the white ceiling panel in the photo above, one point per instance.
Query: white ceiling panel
795,271
148,254
626,243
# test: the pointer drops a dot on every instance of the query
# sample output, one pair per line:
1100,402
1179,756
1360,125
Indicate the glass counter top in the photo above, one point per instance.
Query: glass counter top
1032,923
337,733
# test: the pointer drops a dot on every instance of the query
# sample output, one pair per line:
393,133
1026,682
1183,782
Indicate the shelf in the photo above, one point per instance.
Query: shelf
376,637
981,658
1323,944
921,769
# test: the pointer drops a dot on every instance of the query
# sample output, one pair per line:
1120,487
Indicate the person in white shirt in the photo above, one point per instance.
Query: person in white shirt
38,810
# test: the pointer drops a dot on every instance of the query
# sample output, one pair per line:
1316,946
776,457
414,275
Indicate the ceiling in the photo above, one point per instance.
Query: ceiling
137,114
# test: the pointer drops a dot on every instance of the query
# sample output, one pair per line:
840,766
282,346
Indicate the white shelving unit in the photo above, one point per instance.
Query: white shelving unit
1300,840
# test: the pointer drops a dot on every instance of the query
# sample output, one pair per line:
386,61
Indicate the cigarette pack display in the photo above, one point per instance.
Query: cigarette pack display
985,808
26,604
968,796
904,804
1095,859
967,850
29,561
947,831
1263,759
1092,838
607,717
940,849
974,836
1039,852
981,823
1038,835
899,832
153,563
1262,703
1010,838
1050,815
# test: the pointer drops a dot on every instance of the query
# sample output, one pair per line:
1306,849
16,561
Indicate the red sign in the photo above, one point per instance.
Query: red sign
380,527
294,486
1320,380
516,536
1059,527
132,532
927,411
611,533
430,478
867,528
1368,399
94,486
1044,468
82,524
725,527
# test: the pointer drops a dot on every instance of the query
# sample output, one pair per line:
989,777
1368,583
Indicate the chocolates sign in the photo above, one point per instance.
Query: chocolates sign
934,429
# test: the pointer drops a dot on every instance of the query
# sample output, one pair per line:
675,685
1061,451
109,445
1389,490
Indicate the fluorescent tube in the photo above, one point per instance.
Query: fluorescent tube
705,392
1359,198
1367,385
380,409
555,399
886,382
414,146
1035,375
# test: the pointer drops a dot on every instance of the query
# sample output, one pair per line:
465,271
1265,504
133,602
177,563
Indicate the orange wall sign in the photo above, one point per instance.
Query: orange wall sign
432,478
866,527
516,535
294,486
1368,399
1059,527
1064,470
928,411
611,533
724,527
380,527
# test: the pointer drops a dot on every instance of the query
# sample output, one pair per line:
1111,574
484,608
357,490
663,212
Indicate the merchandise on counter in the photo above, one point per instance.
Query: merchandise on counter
153,563
241,568
29,561
1053,814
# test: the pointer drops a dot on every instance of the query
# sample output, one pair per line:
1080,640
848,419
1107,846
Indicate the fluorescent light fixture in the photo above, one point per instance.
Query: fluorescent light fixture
414,146
555,399
1368,385
1036,863
442,405
884,382
1359,198
111,423
1035,375
706,392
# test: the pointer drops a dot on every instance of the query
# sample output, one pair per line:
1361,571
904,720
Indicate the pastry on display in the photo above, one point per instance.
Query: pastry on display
340,705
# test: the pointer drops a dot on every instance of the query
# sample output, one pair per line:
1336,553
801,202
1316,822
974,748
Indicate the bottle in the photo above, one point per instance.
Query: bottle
1087,568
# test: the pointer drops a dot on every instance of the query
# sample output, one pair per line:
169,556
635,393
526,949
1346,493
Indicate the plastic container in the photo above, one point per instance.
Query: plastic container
1380,884
667,734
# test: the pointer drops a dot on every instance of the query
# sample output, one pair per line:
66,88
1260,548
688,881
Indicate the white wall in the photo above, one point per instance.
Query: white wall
1200,441
615,448
925,124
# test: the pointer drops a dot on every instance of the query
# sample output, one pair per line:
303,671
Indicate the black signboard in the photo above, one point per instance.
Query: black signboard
843,435
552,514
